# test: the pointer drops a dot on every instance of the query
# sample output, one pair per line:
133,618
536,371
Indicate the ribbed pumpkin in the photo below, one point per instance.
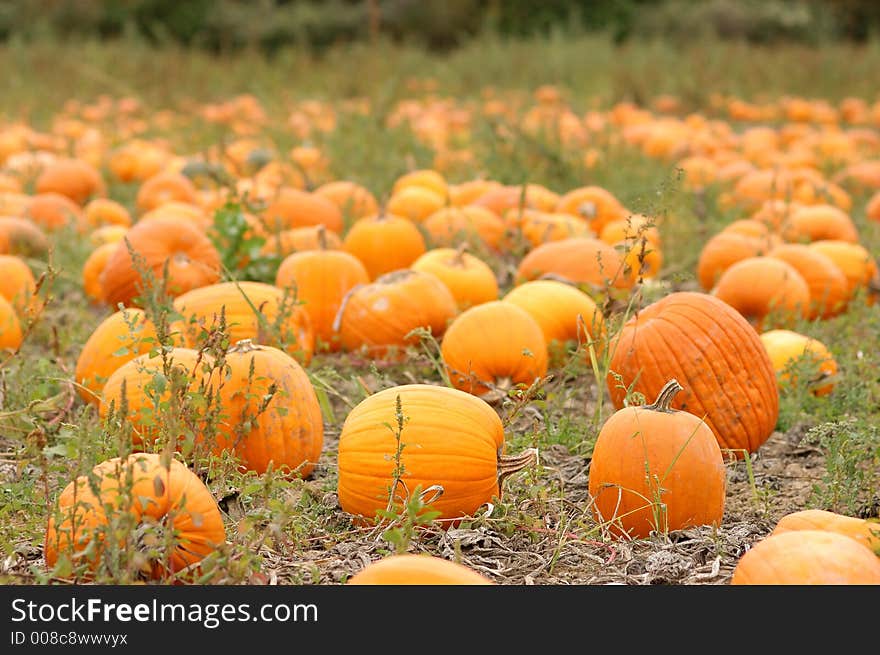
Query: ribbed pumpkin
321,279
163,188
136,494
564,312
656,469
191,258
580,260
384,243
724,250
826,282
787,348
10,327
409,569
19,236
493,347
468,278
52,212
72,178
146,386
716,356
252,310
594,204
288,433
17,283
119,338
353,200
293,208
807,557
379,316
474,225
92,269
760,286
853,259
863,531
819,222
449,438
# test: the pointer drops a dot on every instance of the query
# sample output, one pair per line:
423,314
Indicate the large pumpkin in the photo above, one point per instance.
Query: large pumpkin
492,347
192,261
716,356
270,412
409,569
252,310
139,499
378,317
723,251
448,438
863,531
656,469
807,557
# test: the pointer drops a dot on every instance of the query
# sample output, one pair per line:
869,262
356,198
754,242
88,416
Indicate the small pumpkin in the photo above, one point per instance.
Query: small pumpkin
594,204
409,569
103,211
19,236
53,211
11,335
477,226
137,500
415,203
353,200
292,208
656,469
492,347
379,316
92,269
424,178
165,187
270,412
580,260
17,283
723,251
807,557
787,348
826,282
384,243
854,261
468,278
315,237
448,438
72,178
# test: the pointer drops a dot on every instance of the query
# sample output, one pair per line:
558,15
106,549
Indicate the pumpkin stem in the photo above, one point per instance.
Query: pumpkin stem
510,464
458,260
664,398
244,346
337,320
322,237
498,390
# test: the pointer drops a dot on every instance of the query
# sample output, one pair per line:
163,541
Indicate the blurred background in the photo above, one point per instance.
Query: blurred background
271,25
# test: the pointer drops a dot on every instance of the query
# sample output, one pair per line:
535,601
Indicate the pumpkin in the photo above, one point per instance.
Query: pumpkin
377,317
492,347
580,260
500,199
760,286
320,280
807,557
863,531
716,356
724,250
92,269
52,212
118,338
826,282
422,178
270,416
468,278
19,236
774,213
408,569
749,227
594,204
72,178
107,234
563,312
141,386
465,193
293,208
642,258
787,349
180,212
163,188
191,259
137,500
415,203
252,310
629,229
819,222
541,227
656,469
17,283
286,242
853,259
103,211
353,200
475,225
384,243
448,438
11,336
872,209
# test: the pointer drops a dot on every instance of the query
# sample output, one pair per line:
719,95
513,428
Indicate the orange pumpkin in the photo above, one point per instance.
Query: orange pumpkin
17,283
468,278
807,557
320,280
448,438
474,225
163,188
415,203
408,569
422,178
299,239
826,282
594,204
863,531
378,317
19,236
853,259
292,208
492,347
52,211
191,259
108,234
135,496
787,348
11,336
103,211
384,243
759,286
819,222
353,200
717,357
72,178
270,413
656,469
92,269
723,251
581,260
251,310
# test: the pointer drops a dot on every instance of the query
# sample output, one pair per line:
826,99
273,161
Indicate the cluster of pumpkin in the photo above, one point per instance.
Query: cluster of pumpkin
366,281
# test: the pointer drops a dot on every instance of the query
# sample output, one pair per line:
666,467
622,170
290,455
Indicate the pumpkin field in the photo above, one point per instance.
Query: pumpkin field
528,312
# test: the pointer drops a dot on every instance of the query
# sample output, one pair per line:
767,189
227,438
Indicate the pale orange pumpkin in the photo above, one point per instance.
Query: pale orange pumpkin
409,569
468,278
